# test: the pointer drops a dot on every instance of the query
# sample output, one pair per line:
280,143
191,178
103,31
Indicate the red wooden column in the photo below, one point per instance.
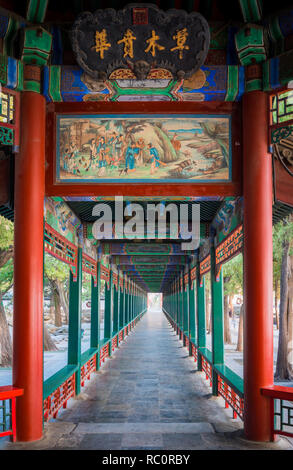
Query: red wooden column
258,317
28,268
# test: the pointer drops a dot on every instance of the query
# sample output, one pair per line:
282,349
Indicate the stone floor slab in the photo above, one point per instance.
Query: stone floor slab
147,396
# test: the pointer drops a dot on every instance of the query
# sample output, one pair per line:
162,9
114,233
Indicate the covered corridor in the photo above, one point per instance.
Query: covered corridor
123,178
149,395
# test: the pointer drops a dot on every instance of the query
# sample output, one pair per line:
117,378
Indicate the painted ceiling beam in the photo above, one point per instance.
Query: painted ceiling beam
36,10
145,249
137,260
251,10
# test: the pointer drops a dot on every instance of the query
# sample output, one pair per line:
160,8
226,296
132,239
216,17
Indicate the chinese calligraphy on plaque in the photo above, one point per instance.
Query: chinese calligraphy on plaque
109,39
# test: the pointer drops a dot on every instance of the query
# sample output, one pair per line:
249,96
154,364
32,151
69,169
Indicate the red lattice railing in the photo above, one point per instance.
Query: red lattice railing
89,265
186,341
115,343
281,409
120,338
104,353
231,397
105,274
86,370
231,246
115,280
59,398
59,247
8,395
194,352
207,368
205,265
125,331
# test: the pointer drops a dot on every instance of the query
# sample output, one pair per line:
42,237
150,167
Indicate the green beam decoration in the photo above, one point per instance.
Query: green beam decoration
37,43
54,83
8,34
36,10
11,73
251,10
232,83
250,44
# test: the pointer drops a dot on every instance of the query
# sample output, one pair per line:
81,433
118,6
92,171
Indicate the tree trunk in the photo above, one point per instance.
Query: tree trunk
227,332
58,318
5,339
282,367
49,344
240,331
290,318
63,300
5,256
276,302
52,308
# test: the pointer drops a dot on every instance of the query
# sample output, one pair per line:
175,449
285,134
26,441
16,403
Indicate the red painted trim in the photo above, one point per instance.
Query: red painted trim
233,188
62,255
257,268
13,418
59,398
8,391
276,391
90,270
6,433
28,267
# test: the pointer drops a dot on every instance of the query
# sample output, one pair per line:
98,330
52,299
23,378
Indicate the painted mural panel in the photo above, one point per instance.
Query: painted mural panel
62,219
143,148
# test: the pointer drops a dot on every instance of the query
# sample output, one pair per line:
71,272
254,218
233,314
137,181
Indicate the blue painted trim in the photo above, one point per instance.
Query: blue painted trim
11,73
46,81
274,72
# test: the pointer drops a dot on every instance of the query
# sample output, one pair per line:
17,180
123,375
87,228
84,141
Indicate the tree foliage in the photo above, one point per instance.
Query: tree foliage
57,279
233,276
233,285
6,240
283,271
55,270
6,281
6,276
6,233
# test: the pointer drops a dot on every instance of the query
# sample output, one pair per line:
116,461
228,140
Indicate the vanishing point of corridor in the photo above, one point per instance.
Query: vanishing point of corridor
147,396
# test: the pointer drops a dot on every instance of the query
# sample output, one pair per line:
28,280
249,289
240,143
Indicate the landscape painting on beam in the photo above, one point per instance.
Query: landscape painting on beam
143,148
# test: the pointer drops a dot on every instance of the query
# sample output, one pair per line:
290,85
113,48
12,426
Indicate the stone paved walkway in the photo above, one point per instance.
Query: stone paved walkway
147,396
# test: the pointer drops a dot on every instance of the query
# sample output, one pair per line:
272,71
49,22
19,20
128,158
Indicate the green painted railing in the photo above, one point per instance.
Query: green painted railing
58,388
222,379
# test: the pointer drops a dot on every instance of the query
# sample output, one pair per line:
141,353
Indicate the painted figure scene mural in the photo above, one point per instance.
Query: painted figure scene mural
143,148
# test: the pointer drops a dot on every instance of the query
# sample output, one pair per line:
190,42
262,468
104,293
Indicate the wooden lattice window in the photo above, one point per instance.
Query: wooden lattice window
9,118
281,107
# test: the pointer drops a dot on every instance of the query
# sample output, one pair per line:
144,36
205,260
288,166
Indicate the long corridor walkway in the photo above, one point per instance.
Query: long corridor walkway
147,396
